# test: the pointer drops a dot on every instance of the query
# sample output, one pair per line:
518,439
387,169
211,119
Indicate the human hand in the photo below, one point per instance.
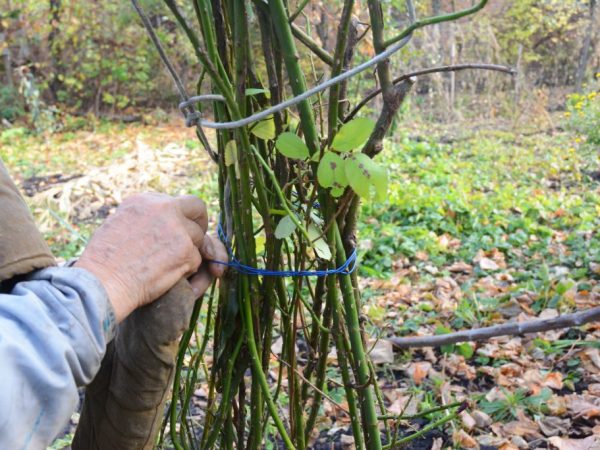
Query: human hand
148,245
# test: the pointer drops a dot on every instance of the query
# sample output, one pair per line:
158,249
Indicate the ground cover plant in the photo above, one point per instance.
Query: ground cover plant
472,230
411,284
289,197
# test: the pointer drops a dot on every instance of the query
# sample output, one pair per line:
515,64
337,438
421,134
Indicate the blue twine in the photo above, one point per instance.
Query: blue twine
347,268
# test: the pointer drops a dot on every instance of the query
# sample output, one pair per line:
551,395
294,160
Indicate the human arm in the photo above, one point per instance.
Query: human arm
54,328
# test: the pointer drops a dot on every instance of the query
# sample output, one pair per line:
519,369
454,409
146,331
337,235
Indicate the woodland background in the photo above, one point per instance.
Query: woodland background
492,215
73,57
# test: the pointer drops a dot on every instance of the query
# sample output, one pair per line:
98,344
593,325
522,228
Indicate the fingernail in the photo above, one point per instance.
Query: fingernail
196,291
218,270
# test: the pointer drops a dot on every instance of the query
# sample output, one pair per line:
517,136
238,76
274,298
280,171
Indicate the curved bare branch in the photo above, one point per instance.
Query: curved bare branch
416,73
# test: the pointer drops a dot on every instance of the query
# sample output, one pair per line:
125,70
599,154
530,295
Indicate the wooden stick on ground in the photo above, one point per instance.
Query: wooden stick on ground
480,334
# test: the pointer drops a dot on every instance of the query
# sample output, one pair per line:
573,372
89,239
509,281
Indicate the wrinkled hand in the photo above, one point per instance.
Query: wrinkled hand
149,244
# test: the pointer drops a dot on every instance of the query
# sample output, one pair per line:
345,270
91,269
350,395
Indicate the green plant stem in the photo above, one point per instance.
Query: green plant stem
379,396
299,10
342,352
338,63
383,68
183,346
280,194
298,84
420,414
296,407
259,374
323,354
226,399
360,358
438,423
312,45
433,20
295,74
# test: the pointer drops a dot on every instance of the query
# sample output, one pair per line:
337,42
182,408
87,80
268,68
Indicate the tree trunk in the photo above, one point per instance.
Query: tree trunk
585,49
6,59
55,83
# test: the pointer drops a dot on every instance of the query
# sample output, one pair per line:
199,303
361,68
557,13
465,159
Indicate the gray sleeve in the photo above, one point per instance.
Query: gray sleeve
54,329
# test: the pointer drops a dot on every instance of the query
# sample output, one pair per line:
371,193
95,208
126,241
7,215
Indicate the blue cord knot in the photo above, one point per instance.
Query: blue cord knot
347,268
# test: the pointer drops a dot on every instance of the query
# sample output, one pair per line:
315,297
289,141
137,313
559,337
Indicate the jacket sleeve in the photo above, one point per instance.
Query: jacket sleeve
54,328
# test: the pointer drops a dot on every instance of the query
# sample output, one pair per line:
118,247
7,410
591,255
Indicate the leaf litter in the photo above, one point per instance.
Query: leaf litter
534,391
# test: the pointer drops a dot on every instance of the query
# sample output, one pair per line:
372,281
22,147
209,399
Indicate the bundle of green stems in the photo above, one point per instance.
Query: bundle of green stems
256,54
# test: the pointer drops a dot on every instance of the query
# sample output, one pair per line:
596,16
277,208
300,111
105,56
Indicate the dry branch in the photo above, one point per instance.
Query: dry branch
417,73
507,329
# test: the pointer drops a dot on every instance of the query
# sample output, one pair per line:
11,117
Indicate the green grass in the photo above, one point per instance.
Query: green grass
531,199
488,192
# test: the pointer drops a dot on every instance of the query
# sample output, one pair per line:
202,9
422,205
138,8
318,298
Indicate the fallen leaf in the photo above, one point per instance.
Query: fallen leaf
491,440
421,256
548,313
418,371
511,370
495,394
581,406
589,443
594,389
347,441
508,446
467,420
488,264
556,405
382,352
519,442
463,440
404,405
482,420
593,355
553,381
524,427
553,426
460,266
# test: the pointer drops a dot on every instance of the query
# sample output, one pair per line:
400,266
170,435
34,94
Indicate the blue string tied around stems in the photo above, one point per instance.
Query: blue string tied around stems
348,267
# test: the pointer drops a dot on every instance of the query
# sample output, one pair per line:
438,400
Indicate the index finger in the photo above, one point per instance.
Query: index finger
194,209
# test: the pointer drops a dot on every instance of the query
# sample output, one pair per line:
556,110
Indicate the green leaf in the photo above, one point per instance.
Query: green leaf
285,228
353,134
256,91
448,348
260,242
358,175
379,178
337,191
362,173
265,129
331,170
465,350
292,123
318,243
230,153
291,146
